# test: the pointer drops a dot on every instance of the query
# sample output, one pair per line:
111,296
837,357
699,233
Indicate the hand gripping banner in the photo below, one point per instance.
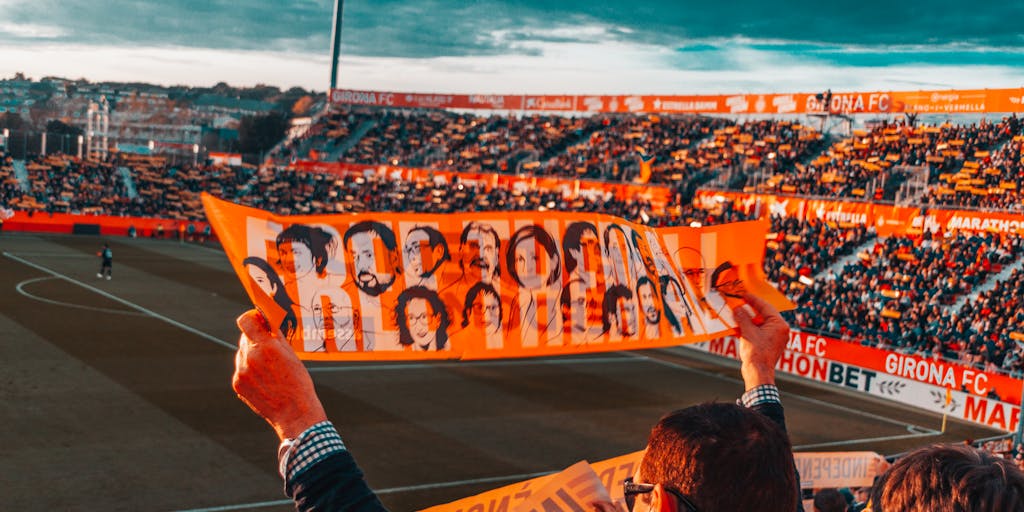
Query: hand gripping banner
489,284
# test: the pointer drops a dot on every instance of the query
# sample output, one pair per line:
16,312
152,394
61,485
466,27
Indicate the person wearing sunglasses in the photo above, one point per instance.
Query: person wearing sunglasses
724,456
709,457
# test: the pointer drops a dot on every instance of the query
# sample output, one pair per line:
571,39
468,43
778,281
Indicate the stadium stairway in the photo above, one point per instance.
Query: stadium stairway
841,263
989,284
21,173
129,183
339,149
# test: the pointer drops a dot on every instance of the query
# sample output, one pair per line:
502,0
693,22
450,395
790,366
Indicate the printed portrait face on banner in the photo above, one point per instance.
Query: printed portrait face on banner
335,319
678,311
650,303
425,250
662,264
422,319
691,264
374,256
533,260
270,285
581,248
715,312
620,319
483,309
581,305
479,250
643,258
617,250
534,265
304,251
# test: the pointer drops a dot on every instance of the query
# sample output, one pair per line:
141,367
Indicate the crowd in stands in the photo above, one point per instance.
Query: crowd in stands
867,164
660,148
899,295
896,296
806,248
993,179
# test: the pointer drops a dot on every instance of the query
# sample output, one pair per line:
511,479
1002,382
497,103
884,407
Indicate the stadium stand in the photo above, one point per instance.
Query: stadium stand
913,293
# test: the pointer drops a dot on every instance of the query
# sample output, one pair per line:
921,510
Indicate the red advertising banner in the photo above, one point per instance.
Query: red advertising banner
823,350
888,220
870,102
65,223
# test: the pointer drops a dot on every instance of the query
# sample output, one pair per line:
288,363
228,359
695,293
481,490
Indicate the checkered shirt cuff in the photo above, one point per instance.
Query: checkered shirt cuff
765,393
314,444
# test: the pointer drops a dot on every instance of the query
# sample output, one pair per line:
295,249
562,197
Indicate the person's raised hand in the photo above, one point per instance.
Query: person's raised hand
272,381
763,338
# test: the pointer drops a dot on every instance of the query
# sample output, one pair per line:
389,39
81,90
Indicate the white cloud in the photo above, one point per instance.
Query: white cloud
29,30
608,67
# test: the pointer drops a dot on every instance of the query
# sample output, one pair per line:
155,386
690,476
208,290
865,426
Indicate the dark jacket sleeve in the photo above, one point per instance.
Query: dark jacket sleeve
333,484
775,412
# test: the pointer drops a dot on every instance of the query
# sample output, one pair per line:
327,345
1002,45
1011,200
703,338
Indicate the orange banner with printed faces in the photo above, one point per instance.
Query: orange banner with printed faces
488,284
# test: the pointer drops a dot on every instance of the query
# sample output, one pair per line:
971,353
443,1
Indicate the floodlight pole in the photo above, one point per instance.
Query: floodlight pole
336,42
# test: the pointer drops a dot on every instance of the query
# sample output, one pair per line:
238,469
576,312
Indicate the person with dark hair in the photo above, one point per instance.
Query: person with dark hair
479,247
619,312
107,262
716,456
580,245
360,240
829,500
267,280
723,456
422,319
534,265
483,309
581,312
375,268
677,308
425,250
643,258
650,306
949,477
302,249
619,254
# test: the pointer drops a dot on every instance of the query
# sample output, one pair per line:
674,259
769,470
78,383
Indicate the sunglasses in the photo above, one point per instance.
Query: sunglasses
631,489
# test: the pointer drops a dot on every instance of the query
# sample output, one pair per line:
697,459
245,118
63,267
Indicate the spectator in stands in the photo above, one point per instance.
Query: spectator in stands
949,477
715,456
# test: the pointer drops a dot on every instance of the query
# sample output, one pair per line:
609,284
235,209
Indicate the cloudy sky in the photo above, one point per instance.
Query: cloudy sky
524,46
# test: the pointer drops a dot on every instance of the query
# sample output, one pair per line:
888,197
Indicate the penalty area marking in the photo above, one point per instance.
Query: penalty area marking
383,492
21,289
128,303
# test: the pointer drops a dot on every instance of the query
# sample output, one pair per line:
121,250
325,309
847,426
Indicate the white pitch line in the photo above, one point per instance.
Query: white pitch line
470,364
21,290
67,255
866,440
382,492
128,303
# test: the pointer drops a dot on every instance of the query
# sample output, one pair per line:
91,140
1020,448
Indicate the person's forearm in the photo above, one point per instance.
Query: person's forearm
756,375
